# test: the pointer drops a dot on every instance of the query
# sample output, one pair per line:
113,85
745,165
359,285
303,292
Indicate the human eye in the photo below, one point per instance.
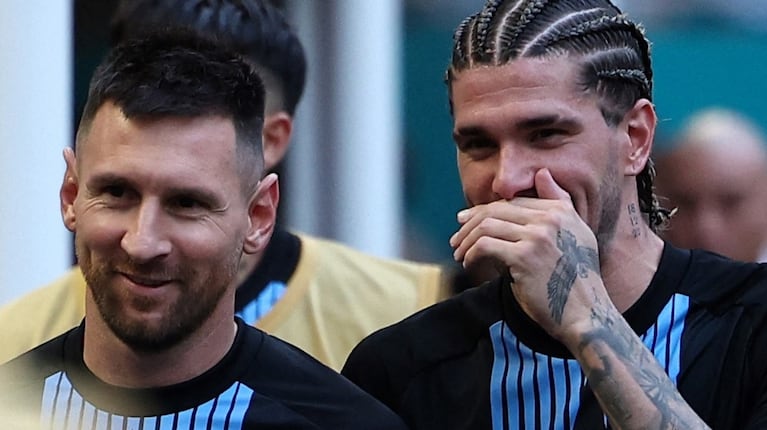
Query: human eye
115,194
476,147
547,136
115,191
188,204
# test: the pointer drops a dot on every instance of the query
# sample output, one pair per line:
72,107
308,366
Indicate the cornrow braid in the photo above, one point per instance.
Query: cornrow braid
481,29
461,43
635,75
601,23
509,35
612,51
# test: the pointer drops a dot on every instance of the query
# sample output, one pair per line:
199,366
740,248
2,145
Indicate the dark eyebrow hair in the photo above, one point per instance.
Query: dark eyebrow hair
548,120
208,196
525,125
104,179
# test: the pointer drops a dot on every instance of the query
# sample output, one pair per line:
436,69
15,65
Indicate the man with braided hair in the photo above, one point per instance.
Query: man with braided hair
595,322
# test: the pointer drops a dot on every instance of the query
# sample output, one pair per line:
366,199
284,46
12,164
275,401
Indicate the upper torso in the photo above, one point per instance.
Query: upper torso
476,361
262,382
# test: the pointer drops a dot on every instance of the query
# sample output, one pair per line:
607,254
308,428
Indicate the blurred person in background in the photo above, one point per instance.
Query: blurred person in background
319,295
715,175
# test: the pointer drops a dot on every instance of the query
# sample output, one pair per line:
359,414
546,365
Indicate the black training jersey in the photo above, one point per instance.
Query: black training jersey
262,383
476,361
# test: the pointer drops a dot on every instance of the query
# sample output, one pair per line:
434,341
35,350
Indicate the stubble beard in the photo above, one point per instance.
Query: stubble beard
197,300
611,196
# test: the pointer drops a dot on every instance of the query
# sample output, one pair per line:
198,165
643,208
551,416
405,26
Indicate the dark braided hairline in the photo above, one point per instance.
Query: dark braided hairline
634,75
459,53
529,12
543,40
648,201
481,27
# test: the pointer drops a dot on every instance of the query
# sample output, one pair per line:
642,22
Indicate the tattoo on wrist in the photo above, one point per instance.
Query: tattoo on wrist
575,261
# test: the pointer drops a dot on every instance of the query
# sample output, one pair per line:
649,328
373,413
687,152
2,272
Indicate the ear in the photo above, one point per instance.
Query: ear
278,128
640,124
69,188
262,214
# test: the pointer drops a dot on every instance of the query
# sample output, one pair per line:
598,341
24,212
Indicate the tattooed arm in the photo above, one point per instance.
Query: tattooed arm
633,389
552,256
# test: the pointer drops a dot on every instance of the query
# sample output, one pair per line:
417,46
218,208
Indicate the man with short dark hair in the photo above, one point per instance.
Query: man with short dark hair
317,294
165,192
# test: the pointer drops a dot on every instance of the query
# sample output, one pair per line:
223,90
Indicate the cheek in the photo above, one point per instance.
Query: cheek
476,178
206,241
99,230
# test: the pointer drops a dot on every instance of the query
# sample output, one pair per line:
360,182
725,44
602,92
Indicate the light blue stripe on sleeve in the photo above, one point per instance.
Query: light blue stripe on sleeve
263,304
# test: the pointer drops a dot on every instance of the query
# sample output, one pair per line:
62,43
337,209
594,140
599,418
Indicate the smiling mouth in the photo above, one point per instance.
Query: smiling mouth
145,281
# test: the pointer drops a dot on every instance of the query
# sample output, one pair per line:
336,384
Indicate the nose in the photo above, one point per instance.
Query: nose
146,238
515,174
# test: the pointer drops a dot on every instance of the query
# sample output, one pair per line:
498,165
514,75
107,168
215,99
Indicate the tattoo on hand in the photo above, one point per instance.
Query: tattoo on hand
575,260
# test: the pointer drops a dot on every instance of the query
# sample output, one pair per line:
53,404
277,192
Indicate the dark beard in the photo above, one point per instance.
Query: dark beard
180,318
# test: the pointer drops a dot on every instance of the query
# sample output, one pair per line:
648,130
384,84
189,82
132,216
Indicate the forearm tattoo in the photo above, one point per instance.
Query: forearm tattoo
612,346
575,260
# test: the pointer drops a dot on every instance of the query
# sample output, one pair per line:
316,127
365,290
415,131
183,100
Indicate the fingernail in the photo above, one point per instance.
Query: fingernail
463,215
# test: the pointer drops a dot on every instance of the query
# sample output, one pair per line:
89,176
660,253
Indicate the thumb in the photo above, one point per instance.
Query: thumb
547,187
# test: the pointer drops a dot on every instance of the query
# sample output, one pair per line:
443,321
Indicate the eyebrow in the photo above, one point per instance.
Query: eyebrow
102,180
526,124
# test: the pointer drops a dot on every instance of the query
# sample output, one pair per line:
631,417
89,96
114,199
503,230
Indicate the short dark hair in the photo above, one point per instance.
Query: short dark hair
611,50
180,73
256,29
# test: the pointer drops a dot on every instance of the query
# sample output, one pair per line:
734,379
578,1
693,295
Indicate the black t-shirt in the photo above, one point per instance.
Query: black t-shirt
476,361
262,383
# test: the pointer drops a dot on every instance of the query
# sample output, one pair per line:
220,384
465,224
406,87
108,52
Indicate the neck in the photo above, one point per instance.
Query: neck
117,363
629,264
248,264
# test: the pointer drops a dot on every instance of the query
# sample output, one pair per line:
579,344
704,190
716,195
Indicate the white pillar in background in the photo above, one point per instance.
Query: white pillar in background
35,125
347,155
370,132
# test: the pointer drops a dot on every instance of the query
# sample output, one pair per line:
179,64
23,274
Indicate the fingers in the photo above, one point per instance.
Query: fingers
485,228
548,188
478,229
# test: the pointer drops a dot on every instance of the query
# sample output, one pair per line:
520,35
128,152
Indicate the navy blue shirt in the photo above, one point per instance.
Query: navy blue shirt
476,361
262,383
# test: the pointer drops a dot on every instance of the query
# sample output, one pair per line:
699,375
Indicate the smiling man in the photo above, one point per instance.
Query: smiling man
165,194
595,322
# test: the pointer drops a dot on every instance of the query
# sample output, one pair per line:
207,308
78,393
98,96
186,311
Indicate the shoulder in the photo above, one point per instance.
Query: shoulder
328,250
387,360
714,280
42,314
25,375
386,278
289,376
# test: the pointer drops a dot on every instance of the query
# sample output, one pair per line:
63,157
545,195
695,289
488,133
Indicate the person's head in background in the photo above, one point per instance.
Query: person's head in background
715,174
256,29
